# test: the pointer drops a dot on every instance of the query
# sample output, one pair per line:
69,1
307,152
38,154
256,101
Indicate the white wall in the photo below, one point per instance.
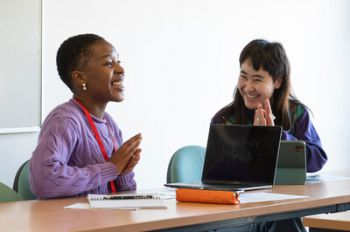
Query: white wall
181,58
14,150
181,61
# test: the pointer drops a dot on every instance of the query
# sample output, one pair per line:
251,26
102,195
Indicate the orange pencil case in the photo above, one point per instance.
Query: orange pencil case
207,196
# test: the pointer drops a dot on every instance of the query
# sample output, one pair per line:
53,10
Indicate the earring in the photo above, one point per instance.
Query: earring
84,87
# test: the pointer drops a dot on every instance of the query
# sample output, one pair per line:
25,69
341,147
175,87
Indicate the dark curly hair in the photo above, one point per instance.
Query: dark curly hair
74,53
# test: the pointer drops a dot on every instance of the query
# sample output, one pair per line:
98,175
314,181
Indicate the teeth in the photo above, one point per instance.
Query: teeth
251,96
115,83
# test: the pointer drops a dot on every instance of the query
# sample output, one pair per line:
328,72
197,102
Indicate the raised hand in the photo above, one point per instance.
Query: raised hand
133,161
128,155
259,116
269,115
263,115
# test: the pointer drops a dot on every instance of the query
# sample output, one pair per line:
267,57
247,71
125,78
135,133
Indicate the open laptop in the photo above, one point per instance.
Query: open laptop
291,165
239,158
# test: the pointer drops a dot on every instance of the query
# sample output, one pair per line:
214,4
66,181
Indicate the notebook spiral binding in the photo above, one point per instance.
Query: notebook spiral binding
126,197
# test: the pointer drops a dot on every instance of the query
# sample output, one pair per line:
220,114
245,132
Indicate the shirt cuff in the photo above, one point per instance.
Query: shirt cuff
108,172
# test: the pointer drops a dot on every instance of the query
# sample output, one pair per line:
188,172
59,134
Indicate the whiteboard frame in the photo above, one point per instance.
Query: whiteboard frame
16,130
23,126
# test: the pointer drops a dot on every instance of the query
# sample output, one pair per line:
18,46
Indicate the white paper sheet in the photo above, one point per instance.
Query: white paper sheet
262,196
78,206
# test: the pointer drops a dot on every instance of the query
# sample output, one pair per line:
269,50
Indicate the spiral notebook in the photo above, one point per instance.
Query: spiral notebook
129,201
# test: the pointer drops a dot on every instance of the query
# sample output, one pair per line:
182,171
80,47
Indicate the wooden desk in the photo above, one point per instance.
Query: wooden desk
335,222
328,222
49,215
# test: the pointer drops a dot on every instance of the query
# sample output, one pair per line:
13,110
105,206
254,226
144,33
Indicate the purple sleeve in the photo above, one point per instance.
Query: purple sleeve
126,182
304,130
52,174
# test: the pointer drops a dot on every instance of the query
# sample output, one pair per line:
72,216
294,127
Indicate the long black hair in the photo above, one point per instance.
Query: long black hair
272,57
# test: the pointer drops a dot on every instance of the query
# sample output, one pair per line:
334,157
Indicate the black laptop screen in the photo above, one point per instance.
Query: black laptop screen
238,153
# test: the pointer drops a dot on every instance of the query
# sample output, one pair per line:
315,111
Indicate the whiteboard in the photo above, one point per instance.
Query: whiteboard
20,66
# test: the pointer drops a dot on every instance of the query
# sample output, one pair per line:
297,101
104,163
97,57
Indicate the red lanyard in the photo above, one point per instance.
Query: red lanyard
98,138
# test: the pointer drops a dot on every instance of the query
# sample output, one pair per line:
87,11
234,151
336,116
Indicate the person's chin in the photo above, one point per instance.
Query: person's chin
119,98
251,105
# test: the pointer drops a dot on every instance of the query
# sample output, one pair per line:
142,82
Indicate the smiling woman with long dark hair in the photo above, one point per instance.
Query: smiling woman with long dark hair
263,97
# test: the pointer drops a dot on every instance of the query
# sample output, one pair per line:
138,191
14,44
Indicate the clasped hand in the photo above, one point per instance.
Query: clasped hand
128,155
263,115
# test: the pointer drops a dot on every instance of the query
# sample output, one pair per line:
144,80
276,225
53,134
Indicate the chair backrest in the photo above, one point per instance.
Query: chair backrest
186,164
21,184
8,194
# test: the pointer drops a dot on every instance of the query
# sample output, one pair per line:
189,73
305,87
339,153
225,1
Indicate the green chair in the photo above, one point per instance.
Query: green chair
21,184
7,194
186,164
